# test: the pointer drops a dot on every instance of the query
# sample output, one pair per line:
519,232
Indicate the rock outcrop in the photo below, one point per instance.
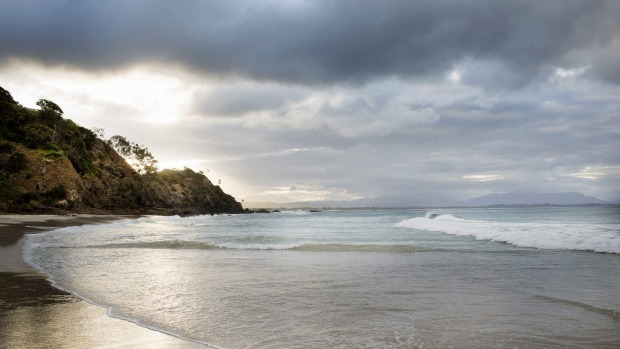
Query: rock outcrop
50,164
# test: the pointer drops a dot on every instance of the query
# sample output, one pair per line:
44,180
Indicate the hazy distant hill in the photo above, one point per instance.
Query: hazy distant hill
405,201
50,164
534,199
428,200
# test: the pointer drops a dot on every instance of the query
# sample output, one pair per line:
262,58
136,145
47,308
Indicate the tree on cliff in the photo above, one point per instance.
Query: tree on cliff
49,107
142,160
5,96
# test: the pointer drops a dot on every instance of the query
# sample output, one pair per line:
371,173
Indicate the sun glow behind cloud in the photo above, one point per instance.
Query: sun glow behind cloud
455,76
483,177
143,93
306,193
570,73
597,172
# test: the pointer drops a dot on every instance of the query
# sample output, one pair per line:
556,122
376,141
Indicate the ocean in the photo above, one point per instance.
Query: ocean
532,277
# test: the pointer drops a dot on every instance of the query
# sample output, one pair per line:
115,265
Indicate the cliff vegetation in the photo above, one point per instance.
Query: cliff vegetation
50,164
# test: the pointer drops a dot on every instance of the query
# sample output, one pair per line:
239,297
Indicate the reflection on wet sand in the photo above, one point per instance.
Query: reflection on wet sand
34,314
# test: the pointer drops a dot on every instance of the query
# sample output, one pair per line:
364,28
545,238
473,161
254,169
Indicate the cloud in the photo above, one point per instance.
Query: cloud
338,99
606,61
483,177
320,42
378,108
597,172
241,98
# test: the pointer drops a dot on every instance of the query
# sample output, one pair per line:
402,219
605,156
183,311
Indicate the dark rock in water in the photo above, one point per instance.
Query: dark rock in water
433,215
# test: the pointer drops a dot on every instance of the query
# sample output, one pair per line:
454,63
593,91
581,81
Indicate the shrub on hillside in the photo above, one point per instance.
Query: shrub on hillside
16,162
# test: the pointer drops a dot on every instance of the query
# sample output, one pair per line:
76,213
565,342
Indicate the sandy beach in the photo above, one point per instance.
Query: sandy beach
34,314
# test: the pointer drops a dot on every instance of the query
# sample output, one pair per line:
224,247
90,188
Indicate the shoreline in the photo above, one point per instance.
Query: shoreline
35,314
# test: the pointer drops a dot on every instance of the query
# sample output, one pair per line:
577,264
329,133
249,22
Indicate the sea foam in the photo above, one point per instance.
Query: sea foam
542,235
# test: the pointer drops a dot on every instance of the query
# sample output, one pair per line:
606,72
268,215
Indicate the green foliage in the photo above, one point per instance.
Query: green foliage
52,151
49,107
25,198
12,120
5,96
58,137
121,145
16,163
88,137
57,193
98,131
83,162
170,176
48,197
72,125
47,130
37,135
6,148
52,147
142,160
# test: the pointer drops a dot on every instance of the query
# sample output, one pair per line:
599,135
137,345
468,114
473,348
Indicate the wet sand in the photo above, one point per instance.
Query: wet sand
34,314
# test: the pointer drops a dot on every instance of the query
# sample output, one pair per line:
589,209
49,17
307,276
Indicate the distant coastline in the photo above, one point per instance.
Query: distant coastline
422,202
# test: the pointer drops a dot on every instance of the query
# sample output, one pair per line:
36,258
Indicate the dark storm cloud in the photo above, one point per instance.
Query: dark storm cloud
358,98
318,42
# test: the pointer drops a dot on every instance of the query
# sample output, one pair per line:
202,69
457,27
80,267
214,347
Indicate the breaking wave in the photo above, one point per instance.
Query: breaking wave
202,245
603,238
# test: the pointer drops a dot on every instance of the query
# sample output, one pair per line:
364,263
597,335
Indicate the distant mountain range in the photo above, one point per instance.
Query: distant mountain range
418,200
431,200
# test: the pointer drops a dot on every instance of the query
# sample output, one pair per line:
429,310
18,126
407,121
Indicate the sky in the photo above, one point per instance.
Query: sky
293,100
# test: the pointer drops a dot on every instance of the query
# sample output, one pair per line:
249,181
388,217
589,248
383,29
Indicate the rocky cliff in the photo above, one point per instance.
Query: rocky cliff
50,164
